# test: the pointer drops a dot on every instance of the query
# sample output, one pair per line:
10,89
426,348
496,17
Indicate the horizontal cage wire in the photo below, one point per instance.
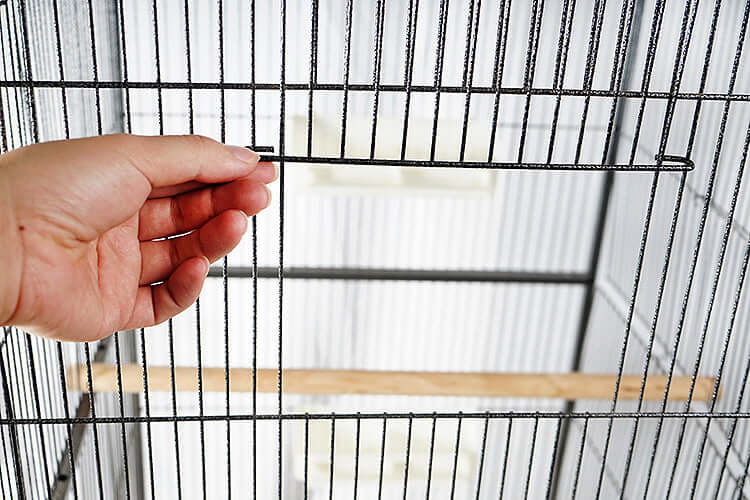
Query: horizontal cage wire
506,256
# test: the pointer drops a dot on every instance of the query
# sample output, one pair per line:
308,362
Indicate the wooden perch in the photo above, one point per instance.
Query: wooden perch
509,385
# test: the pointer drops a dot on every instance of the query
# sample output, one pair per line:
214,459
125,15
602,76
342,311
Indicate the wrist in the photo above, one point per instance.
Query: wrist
10,250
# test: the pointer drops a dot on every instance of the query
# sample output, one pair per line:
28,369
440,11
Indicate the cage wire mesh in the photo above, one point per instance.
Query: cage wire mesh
408,234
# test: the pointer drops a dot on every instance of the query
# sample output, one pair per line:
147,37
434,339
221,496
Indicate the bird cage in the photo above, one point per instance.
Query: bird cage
506,254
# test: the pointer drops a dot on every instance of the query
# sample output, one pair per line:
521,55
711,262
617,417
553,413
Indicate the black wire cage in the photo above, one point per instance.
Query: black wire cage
506,256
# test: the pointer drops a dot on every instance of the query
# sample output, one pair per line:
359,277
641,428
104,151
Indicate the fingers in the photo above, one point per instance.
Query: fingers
216,238
264,172
163,217
93,184
177,159
156,304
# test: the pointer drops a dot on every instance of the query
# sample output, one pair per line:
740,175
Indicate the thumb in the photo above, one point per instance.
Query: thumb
175,159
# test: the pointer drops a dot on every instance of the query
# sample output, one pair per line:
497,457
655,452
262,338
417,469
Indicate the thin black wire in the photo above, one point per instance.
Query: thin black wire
382,457
254,223
592,56
535,28
377,65
148,418
95,68
3,130
282,133
225,260
7,133
470,52
408,456
411,37
34,383
432,452
561,60
347,64
367,87
60,360
175,434
554,458
20,483
620,71
24,27
456,451
506,455
313,73
503,21
16,68
92,411
668,163
577,474
482,452
191,130
121,404
66,410
241,417
124,55
333,454
356,457
531,459
438,74
4,474
307,455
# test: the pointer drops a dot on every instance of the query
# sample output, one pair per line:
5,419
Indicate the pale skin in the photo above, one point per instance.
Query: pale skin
82,224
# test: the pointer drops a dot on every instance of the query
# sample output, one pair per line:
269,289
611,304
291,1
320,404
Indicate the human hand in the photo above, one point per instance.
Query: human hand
78,220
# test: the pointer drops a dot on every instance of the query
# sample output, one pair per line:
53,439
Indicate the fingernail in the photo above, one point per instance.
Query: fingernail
208,265
244,154
275,172
268,191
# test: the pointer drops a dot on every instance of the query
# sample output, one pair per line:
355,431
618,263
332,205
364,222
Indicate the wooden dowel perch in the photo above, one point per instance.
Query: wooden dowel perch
515,385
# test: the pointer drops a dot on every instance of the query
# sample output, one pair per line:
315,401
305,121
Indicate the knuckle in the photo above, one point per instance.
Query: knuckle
201,143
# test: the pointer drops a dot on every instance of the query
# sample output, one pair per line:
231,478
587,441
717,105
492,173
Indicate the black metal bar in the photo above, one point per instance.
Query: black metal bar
518,415
675,164
506,456
382,274
332,457
480,468
382,457
431,455
147,408
356,457
367,87
456,451
9,415
408,456
282,144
